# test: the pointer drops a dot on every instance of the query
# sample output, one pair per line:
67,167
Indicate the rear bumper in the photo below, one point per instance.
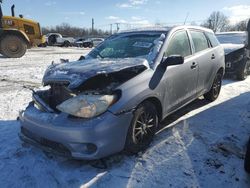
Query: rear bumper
78,138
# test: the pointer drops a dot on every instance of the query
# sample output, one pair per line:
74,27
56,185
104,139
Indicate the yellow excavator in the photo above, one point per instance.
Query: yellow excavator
17,34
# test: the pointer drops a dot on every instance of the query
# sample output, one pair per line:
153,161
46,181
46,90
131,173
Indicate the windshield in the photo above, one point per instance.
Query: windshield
128,46
235,38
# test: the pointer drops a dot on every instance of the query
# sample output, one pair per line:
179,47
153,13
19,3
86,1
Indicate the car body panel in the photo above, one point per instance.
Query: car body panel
79,71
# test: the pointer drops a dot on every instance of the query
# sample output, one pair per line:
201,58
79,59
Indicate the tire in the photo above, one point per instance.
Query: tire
242,73
214,92
247,158
91,45
142,128
13,46
66,44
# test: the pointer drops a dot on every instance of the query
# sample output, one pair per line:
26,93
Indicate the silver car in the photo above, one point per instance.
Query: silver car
115,97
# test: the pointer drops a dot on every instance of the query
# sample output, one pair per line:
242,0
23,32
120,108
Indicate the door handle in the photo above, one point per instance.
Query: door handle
213,56
194,65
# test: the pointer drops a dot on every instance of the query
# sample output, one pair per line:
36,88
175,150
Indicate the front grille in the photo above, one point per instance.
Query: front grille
59,148
55,146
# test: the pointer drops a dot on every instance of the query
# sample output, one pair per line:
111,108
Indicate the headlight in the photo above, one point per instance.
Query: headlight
87,106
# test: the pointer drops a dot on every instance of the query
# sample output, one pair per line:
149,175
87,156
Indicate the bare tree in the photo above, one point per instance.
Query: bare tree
217,21
240,26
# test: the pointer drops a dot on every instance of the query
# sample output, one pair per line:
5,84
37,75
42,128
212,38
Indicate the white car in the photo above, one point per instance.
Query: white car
56,39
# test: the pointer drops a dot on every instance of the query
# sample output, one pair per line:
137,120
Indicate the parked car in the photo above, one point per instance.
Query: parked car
56,39
97,41
115,97
237,57
79,42
89,43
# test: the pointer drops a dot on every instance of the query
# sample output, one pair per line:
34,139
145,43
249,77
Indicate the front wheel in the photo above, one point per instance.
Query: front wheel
13,46
214,92
142,128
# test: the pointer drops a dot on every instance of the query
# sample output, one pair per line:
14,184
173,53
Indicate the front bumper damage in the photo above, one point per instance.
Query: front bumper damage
75,137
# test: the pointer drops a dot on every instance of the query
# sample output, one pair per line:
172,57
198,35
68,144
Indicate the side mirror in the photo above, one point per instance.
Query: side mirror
172,60
248,34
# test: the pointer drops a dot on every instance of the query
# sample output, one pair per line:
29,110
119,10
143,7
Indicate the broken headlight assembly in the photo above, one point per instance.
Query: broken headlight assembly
88,106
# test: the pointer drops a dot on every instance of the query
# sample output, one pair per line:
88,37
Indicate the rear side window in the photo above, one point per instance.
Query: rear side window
213,40
179,45
199,40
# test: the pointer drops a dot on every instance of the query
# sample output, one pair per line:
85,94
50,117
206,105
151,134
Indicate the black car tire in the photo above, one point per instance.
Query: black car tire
214,92
243,72
247,158
66,44
142,128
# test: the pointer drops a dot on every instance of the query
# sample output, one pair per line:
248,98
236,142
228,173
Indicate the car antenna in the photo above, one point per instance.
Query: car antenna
186,18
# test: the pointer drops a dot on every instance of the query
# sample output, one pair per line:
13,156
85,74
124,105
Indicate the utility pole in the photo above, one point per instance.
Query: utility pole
111,29
117,27
93,25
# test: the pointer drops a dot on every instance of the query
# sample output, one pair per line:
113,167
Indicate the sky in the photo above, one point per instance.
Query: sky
129,13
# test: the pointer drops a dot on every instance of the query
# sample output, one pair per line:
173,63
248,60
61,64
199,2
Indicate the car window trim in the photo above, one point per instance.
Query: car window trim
171,37
201,31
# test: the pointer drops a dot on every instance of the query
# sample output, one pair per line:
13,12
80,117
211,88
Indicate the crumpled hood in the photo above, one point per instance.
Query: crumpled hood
78,72
228,48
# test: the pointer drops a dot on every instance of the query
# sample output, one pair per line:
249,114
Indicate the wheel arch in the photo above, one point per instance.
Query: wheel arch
157,103
221,70
17,33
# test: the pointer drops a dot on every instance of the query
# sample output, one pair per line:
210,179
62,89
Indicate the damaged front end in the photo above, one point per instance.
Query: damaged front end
83,90
76,120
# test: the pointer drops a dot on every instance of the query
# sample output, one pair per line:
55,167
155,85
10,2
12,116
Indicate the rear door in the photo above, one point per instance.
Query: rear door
180,80
205,57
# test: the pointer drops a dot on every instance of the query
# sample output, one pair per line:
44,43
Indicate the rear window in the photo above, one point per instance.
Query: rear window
213,40
200,40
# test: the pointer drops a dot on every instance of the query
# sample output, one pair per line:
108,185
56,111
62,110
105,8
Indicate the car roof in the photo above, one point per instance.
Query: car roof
231,32
165,29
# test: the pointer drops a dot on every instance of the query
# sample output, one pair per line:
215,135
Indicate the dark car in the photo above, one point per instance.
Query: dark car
237,57
115,98
247,158
88,43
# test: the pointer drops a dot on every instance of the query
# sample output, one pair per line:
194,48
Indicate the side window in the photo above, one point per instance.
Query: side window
179,45
213,39
29,29
200,40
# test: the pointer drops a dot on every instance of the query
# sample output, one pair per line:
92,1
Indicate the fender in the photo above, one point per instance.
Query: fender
16,32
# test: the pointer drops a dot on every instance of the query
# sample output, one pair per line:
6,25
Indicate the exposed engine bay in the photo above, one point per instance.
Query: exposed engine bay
98,86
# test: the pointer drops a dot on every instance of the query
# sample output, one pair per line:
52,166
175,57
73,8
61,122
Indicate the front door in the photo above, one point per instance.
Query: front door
180,80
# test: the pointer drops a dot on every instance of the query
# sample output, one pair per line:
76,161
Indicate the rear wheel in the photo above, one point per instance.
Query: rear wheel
142,128
13,46
66,44
247,158
214,92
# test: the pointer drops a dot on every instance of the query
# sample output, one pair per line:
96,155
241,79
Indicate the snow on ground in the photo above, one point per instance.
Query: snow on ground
202,146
